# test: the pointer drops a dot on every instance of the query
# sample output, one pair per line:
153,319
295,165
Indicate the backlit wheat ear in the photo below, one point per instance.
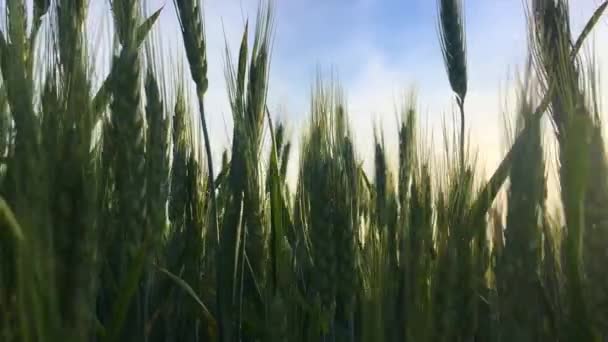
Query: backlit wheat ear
583,170
247,86
157,156
551,49
179,172
452,38
493,185
129,118
71,17
453,47
133,239
190,17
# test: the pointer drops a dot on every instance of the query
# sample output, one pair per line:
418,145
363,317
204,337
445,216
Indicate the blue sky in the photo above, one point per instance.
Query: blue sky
380,49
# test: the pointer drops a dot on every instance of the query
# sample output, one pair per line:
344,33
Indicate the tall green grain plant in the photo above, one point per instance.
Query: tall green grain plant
98,234
183,249
573,127
383,233
419,256
596,220
328,202
280,288
458,264
491,188
466,245
128,120
415,233
181,136
25,188
242,241
453,46
62,205
75,168
596,230
455,289
125,156
64,251
190,16
283,152
314,177
407,164
157,161
519,266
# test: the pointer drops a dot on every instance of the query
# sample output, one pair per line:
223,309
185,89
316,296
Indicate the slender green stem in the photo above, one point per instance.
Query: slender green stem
214,214
209,166
462,133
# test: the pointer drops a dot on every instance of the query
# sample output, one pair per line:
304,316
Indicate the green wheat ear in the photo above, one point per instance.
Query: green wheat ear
190,16
157,156
453,40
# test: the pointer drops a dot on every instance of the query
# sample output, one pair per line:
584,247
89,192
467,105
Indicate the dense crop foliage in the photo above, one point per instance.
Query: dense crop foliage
115,225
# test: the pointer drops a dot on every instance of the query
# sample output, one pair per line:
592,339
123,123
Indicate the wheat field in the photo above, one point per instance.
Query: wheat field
115,225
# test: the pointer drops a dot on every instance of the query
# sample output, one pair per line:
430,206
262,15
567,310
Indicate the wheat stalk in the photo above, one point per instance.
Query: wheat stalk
453,47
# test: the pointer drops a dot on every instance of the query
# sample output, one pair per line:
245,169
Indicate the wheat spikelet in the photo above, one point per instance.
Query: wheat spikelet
157,156
70,20
191,22
596,233
128,121
453,39
178,197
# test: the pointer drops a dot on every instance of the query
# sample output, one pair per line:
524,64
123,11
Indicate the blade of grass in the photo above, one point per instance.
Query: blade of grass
184,286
